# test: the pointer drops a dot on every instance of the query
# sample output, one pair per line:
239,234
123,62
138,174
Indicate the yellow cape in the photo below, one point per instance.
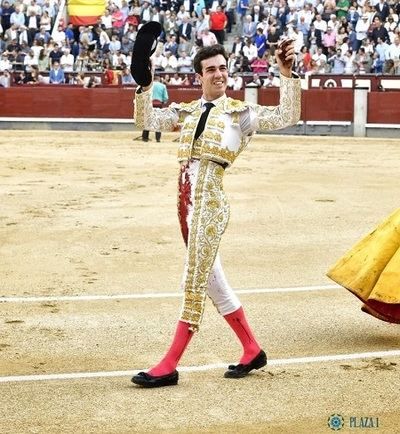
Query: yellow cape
371,270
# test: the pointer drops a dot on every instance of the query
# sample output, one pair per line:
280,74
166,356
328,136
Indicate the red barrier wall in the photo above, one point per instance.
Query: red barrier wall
66,101
328,105
116,102
383,108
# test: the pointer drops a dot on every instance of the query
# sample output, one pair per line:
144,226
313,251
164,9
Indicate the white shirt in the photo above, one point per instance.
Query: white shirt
67,62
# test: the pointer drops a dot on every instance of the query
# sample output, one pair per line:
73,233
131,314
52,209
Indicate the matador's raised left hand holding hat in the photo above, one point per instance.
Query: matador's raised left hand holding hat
145,45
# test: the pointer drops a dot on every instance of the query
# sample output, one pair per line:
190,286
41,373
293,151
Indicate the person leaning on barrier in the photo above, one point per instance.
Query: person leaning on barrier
215,129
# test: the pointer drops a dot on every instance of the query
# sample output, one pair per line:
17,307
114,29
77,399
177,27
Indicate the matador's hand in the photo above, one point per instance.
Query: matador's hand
285,56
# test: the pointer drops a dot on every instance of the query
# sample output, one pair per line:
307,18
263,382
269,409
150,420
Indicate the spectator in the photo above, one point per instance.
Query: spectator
304,60
208,38
342,8
201,25
362,62
55,54
6,11
352,15
235,82
31,76
242,9
32,24
45,21
298,39
259,65
145,13
158,61
30,60
260,42
67,61
5,64
185,29
362,27
5,78
379,31
237,47
377,64
185,63
320,24
319,56
171,64
176,80
106,22
59,36
255,82
271,81
349,66
272,39
337,62
82,61
218,22
18,18
231,64
171,45
393,54
104,39
109,75
329,39
250,50
118,21
115,44
43,36
249,28
56,75
383,9
126,77
314,37
184,45
186,80
43,61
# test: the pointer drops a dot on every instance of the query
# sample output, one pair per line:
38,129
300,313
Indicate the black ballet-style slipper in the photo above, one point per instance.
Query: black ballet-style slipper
146,380
144,47
241,370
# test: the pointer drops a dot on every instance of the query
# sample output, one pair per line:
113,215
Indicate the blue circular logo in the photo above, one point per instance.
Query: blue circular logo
335,422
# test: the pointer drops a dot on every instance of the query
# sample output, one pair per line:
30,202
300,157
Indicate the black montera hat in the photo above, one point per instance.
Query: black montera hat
144,47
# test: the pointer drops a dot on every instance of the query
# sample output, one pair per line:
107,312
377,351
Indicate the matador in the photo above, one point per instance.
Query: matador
214,130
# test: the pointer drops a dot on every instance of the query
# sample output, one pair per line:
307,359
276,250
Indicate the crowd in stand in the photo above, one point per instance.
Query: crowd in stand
340,37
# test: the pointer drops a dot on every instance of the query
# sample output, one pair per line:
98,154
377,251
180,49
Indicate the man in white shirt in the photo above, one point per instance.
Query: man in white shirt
67,61
106,21
318,56
320,24
185,63
5,64
250,50
393,53
362,29
59,36
235,82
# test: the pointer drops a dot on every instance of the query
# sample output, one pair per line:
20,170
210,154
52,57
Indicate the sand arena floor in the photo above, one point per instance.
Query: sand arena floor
92,214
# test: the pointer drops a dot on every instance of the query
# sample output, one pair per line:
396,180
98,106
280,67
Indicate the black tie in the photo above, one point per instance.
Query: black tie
203,118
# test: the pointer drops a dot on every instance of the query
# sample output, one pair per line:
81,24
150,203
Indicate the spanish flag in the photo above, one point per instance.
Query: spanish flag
85,12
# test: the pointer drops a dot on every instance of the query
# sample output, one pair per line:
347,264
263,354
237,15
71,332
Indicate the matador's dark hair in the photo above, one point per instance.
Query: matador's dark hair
205,53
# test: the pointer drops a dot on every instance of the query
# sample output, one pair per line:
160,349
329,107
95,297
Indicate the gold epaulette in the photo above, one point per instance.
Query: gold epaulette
235,105
187,107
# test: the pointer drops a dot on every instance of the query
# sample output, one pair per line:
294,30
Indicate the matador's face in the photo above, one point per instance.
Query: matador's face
214,77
